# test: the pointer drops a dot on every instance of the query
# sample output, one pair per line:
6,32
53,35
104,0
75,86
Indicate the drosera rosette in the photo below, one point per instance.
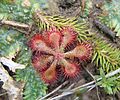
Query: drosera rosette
53,49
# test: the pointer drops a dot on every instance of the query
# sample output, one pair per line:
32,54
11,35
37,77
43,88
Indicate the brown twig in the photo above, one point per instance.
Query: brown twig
69,88
55,90
83,5
95,82
14,24
3,93
87,85
68,93
105,29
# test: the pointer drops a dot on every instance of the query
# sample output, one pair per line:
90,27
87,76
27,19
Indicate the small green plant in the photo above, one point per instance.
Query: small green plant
106,55
111,85
110,15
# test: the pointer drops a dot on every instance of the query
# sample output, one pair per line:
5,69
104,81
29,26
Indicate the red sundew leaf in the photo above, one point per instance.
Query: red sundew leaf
49,76
37,43
71,70
40,62
69,35
83,51
53,37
